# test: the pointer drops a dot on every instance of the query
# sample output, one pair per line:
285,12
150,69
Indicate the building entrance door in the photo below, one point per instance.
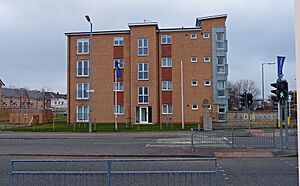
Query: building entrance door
144,117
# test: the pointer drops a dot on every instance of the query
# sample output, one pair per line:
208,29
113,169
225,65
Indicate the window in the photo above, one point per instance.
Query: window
82,91
83,46
206,59
222,113
118,41
167,109
166,39
143,47
82,68
166,62
119,109
82,113
206,82
194,83
142,71
193,36
221,64
119,86
207,106
220,40
120,63
221,60
143,95
166,85
221,69
194,107
220,36
193,59
206,35
221,88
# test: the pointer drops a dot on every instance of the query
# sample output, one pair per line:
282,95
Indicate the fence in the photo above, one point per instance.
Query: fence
164,172
233,139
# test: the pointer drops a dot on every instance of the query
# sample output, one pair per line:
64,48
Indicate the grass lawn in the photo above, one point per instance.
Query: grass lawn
64,127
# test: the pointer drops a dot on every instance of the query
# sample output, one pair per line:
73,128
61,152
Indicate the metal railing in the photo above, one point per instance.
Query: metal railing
233,139
164,172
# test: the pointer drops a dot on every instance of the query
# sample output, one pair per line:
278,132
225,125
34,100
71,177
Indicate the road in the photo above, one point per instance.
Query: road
234,170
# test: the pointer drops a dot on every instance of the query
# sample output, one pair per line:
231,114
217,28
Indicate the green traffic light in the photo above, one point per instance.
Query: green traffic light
281,95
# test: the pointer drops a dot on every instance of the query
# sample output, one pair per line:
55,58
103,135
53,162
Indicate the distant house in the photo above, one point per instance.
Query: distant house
22,98
58,101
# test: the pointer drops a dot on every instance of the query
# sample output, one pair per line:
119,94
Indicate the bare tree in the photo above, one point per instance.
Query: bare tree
238,88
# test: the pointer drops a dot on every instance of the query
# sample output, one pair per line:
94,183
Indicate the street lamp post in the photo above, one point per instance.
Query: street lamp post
263,81
90,73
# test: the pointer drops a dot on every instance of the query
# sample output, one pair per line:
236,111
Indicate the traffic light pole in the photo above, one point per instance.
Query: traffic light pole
286,126
280,124
249,118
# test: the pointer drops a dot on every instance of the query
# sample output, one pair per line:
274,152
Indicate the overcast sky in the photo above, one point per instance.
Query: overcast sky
33,44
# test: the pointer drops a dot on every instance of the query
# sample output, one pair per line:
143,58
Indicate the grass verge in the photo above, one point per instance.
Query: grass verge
64,127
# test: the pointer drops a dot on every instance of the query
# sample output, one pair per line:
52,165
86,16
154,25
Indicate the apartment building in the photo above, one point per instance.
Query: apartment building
168,74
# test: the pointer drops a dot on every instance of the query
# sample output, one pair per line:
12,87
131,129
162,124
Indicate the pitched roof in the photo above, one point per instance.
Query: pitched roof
16,93
56,95
11,92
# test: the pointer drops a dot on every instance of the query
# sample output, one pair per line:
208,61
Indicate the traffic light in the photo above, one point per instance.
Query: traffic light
243,98
282,90
249,99
274,97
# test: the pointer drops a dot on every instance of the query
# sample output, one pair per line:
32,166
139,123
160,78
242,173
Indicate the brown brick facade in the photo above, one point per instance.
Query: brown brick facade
181,49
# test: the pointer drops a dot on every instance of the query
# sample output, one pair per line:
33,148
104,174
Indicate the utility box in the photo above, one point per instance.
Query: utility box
207,123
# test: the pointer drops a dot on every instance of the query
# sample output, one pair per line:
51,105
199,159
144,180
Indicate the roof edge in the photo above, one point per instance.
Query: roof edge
209,17
98,32
145,23
1,82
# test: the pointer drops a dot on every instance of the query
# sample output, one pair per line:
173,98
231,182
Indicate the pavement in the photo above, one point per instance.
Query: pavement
115,144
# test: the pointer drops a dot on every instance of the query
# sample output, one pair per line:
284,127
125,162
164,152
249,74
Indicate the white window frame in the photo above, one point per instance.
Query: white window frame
119,86
118,41
222,39
166,39
206,59
194,59
120,62
194,108
194,84
82,68
119,109
221,65
166,62
193,36
83,91
207,84
168,107
221,89
143,71
83,108
143,95
220,42
82,41
143,47
166,85
206,35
